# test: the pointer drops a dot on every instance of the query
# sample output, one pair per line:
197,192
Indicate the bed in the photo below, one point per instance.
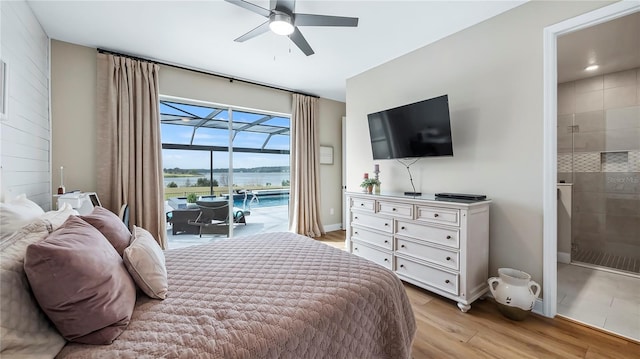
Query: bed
277,295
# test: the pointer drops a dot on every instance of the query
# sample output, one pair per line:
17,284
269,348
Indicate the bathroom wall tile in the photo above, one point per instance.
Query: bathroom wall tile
614,161
622,226
585,202
595,83
634,161
622,182
588,222
567,177
565,163
589,142
624,204
589,101
564,121
590,121
566,98
586,240
621,140
620,79
619,97
565,143
623,117
588,182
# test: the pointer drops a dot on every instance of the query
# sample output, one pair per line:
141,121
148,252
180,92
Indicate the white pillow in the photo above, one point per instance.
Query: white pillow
144,260
16,213
25,331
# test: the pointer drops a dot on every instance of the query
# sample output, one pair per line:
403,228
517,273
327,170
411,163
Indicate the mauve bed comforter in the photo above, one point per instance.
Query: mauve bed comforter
276,295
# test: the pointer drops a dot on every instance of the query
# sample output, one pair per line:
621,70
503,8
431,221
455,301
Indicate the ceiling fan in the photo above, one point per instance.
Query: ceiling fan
283,20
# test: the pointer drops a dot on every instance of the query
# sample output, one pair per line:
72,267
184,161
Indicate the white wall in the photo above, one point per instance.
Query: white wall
73,84
25,132
492,73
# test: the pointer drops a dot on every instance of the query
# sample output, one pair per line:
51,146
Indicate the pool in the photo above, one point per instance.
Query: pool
262,201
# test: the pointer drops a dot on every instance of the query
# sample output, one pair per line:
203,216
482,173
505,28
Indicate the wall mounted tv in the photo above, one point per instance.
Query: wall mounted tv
420,129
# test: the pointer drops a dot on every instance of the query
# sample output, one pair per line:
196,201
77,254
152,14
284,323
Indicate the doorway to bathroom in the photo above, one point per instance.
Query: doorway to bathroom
598,175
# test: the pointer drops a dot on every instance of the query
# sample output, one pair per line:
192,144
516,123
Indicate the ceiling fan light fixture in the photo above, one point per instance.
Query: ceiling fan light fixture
281,24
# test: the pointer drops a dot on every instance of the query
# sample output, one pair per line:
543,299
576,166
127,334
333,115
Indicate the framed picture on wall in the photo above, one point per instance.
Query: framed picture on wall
326,155
4,83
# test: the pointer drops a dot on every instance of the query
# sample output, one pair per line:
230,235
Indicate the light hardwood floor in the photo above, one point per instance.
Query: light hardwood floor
445,332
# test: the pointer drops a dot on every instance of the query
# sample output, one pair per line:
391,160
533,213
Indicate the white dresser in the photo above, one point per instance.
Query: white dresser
438,245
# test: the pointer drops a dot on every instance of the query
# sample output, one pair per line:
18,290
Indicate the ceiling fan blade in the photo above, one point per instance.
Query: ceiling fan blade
288,6
324,20
251,7
261,29
301,42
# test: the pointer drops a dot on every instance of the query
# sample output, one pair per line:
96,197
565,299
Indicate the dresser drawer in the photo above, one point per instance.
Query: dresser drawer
379,239
372,221
396,209
437,278
363,204
438,215
443,257
442,236
378,256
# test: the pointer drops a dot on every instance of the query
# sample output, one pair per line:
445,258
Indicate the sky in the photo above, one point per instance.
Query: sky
181,133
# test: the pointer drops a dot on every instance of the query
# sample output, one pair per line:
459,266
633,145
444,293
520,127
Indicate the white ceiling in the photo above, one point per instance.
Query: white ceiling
613,46
200,34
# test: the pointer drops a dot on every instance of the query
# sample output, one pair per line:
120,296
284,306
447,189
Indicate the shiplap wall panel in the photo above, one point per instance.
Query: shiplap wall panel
25,133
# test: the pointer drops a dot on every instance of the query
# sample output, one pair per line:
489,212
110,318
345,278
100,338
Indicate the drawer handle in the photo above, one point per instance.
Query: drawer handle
356,232
386,224
436,215
356,217
448,237
448,258
403,227
355,249
446,281
361,204
386,241
393,209
402,246
386,260
402,266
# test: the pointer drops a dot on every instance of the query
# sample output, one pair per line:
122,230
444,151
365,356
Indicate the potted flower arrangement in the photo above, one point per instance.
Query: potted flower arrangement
368,184
191,200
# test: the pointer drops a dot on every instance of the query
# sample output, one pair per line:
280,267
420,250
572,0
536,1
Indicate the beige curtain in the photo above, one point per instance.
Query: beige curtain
304,205
129,149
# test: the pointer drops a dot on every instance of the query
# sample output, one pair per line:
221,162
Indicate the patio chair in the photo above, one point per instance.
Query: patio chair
214,217
180,221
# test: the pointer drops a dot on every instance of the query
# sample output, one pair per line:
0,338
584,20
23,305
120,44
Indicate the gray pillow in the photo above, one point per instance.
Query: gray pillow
80,282
111,227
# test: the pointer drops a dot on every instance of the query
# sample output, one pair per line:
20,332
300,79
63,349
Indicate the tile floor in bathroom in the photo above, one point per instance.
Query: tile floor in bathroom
598,298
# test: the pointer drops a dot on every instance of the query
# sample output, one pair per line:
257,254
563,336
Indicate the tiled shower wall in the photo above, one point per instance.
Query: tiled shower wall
599,152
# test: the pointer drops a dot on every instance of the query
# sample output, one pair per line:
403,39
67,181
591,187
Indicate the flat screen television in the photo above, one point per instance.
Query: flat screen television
420,129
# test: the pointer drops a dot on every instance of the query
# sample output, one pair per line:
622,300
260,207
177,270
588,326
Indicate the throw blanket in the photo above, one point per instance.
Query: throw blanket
276,295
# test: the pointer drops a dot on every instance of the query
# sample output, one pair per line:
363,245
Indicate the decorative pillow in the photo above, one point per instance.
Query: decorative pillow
111,227
16,213
144,260
80,282
25,331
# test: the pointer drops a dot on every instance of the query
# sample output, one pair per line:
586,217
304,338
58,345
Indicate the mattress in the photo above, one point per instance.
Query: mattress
277,295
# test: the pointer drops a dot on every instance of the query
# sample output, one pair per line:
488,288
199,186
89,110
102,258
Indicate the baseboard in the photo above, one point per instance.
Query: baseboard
332,227
564,257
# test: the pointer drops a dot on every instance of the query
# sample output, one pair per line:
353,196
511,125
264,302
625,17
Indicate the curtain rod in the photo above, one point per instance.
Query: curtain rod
231,79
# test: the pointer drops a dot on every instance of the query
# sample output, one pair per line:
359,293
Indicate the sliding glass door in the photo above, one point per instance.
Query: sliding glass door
227,159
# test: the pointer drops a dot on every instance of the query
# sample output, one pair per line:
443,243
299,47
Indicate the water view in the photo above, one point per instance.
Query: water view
240,179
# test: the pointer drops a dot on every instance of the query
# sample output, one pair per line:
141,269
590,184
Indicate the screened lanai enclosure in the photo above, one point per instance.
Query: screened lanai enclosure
226,170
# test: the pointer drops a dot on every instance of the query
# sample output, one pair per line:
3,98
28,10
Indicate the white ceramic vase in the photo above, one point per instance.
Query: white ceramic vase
515,292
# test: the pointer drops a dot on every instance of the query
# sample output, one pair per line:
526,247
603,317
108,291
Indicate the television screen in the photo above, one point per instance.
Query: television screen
420,129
